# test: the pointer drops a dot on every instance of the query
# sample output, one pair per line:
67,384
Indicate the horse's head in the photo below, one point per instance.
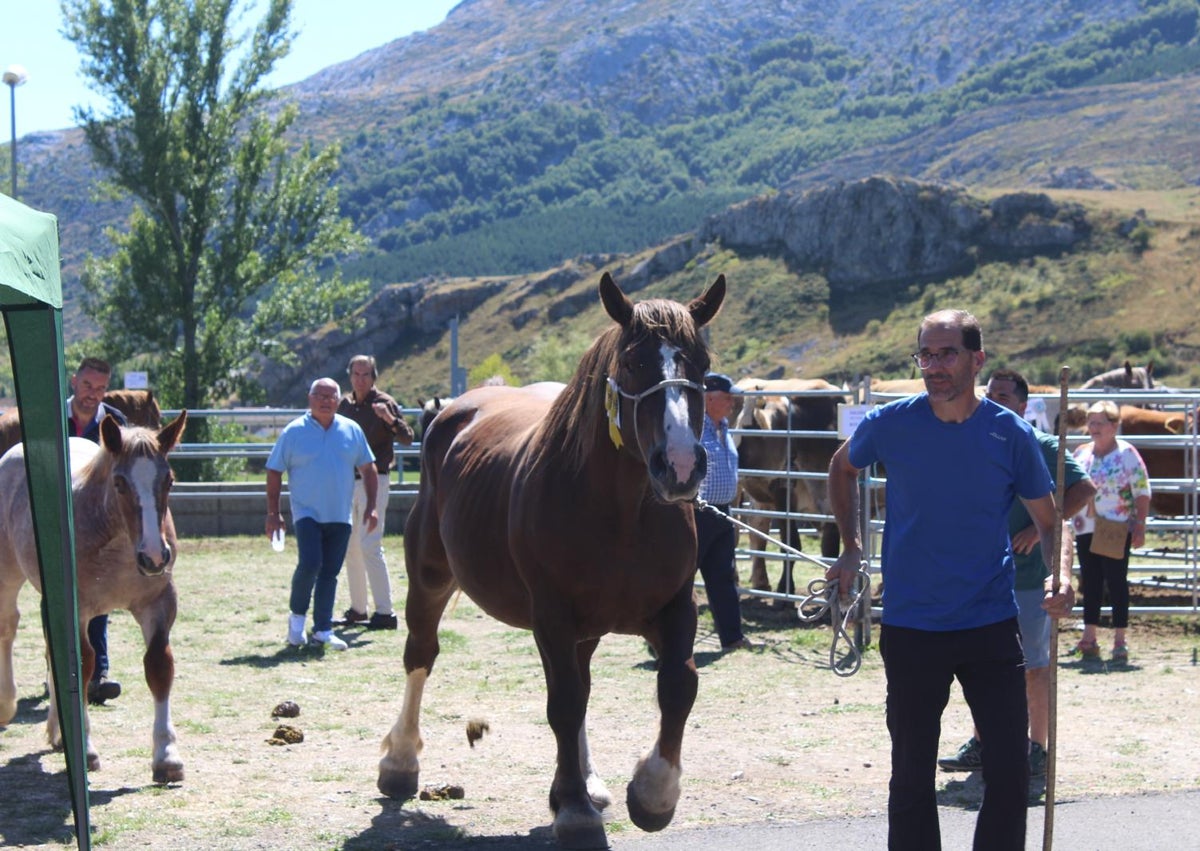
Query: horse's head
655,391
142,479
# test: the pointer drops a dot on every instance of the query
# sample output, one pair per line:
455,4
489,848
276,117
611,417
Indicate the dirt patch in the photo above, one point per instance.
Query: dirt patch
774,735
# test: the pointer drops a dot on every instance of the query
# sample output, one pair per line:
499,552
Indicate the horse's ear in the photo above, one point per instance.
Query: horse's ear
618,305
708,305
110,434
168,435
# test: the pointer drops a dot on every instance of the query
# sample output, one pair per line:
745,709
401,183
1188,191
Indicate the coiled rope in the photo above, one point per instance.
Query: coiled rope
822,597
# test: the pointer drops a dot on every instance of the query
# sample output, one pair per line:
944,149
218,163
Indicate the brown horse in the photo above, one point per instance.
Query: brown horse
568,511
139,407
125,549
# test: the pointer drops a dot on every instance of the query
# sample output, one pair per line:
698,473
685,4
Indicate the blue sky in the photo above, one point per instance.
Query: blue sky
329,31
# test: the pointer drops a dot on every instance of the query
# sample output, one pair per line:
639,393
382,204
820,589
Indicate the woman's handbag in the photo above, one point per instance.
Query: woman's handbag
1109,538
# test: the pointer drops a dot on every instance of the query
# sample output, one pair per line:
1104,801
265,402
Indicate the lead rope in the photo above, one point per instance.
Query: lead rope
822,597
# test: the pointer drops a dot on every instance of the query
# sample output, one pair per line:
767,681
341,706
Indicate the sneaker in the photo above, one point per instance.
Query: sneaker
968,758
352,616
1086,650
1120,653
102,689
379,621
327,639
295,636
740,644
1037,760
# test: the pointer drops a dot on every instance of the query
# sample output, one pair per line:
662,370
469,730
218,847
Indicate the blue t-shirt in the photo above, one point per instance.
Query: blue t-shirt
320,465
947,563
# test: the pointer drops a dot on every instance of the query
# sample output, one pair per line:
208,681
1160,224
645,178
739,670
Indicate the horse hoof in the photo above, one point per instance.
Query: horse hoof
164,774
398,785
644,818
93,762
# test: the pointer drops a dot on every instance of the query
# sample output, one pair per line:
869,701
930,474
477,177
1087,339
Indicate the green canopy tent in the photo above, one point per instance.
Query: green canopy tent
31,298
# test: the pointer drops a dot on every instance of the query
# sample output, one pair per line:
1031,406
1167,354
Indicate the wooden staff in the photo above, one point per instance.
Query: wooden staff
1064,376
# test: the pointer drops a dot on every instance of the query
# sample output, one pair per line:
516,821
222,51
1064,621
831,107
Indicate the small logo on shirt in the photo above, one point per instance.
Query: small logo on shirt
998,436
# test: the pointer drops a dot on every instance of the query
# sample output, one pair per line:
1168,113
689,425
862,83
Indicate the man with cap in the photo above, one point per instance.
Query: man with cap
716,537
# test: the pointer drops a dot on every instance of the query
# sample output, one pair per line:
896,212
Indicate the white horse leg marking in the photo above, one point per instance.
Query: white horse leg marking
596,789
681,442
167,764
143,474
656,783
402,745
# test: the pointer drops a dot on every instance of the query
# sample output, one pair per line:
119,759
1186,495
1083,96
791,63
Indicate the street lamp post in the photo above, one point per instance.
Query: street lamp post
14,75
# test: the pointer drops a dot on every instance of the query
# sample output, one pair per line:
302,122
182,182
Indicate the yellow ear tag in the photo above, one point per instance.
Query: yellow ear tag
612,407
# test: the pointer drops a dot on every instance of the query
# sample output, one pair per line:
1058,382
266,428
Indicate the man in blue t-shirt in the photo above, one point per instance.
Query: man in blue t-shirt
320,452
954,465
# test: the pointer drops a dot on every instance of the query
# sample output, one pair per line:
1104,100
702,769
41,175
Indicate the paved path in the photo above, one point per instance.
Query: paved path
1170,820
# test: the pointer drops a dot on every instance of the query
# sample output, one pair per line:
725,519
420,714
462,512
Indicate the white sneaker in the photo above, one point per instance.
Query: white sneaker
330,640
295,635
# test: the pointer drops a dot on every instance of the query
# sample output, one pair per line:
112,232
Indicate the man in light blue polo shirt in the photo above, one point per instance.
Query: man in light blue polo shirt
319,452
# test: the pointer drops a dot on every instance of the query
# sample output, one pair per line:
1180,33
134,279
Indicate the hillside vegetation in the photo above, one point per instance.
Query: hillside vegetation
519,142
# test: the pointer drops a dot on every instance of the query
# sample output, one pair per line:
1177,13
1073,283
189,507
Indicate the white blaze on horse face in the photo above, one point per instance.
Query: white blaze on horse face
143,474
681,441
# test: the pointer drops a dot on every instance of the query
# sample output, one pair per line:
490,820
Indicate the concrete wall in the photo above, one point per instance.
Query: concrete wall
240,508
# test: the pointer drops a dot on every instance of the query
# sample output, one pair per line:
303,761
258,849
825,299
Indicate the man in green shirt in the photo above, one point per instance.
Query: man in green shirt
1033,583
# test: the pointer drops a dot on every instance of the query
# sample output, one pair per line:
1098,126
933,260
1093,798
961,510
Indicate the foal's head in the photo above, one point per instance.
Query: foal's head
141,480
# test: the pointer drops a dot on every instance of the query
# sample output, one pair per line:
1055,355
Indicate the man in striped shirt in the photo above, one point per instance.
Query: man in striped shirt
716,537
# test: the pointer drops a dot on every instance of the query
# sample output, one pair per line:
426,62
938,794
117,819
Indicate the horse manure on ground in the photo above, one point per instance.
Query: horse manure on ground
476,727
444,792
286,734
286,709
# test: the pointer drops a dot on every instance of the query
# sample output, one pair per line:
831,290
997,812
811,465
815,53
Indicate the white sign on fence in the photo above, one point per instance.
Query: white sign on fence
137,381
849,416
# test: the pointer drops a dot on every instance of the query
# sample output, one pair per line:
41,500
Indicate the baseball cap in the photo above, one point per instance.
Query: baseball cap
715,381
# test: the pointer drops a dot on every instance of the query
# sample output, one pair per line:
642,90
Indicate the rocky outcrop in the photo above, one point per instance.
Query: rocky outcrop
883,230
388,318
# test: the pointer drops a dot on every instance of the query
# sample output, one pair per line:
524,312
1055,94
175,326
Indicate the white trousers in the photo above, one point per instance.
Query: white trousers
364,555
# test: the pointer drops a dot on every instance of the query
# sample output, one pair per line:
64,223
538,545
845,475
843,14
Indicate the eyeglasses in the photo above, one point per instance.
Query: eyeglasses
325,396
946,357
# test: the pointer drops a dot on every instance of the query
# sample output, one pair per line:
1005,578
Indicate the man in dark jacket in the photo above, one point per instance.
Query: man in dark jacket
86,409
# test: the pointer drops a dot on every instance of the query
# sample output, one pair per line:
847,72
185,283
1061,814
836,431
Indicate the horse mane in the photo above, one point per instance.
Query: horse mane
577,420
136,442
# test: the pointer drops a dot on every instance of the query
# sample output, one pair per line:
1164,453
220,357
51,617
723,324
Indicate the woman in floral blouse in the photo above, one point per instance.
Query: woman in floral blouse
1122,495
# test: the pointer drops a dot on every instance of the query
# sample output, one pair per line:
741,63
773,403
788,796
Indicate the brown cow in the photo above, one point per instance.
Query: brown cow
1161,462
138,406
1165,462
807,454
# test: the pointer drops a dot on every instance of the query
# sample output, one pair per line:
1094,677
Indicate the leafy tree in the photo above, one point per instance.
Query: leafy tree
223,253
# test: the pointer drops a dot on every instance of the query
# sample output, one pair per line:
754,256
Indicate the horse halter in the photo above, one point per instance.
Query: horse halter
612,404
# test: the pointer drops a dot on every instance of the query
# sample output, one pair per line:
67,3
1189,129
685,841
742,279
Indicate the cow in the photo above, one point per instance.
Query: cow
1165,462
792,409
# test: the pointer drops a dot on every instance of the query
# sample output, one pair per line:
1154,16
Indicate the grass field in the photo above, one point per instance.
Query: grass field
773,734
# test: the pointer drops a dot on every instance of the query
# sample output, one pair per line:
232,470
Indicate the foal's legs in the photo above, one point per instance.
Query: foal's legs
87,663
653,792
158,662
10,617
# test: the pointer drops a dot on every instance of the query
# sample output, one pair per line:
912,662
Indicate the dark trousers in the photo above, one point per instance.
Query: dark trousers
321,548
1096,572
990,666
97,631
716,539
